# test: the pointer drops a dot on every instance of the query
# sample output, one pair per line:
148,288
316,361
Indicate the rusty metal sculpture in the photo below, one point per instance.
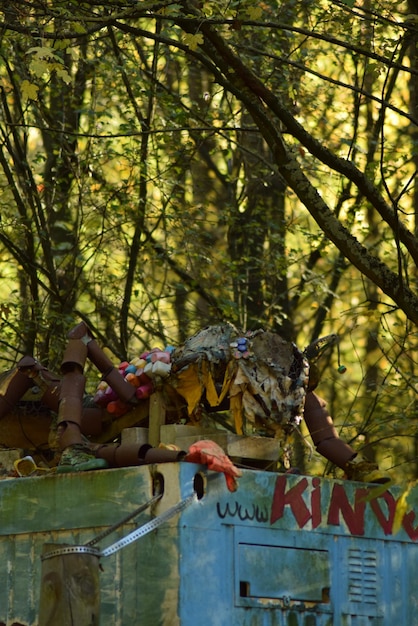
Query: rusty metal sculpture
260,377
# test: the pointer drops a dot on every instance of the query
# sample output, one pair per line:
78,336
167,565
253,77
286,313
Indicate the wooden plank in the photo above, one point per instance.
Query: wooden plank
184,436
252,447
171,432
156,417
262,448
136,434
70,589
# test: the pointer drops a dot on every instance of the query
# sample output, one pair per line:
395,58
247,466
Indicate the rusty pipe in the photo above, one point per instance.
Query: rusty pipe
131,454
323,432
71,397
75,354
92,421
124,390
12,388
336,451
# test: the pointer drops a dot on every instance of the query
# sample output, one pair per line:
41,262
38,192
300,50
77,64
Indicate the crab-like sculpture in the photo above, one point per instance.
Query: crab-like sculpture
263,380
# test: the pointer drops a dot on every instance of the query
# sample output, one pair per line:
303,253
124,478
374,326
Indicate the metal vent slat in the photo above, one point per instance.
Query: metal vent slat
362,575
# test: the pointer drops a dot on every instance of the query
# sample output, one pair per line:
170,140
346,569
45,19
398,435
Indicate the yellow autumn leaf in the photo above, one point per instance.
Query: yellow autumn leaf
39,67
79,28
62,74
43,52
254,13
29,90
401,507
376,492
193,41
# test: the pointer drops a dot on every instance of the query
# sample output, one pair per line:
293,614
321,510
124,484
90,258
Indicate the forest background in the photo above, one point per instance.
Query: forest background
169,165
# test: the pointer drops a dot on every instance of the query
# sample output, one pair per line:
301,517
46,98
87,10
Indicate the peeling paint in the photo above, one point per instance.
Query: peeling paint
284,550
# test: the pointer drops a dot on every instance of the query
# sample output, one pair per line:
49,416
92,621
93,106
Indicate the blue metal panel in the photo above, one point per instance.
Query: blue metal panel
297,551
281,551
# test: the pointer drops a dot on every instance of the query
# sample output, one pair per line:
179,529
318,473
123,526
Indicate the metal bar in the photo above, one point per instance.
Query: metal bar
149,526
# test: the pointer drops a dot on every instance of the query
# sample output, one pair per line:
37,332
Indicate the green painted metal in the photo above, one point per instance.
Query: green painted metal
281,551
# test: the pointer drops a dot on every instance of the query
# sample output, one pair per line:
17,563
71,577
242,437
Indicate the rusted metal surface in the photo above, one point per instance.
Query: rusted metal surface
283,550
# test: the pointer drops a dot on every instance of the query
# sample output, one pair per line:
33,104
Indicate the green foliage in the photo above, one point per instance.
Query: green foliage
168,165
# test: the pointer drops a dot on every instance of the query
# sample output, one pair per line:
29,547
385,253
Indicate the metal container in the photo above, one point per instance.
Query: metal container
283,550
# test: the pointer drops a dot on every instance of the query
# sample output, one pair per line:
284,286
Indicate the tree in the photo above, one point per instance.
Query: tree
166,165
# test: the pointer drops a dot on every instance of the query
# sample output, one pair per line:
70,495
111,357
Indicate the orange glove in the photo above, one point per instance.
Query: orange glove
208,453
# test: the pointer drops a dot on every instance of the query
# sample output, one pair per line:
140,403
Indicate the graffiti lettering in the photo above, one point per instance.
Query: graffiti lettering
293,497
407,524
385,522
353,516
338,507
242,513
307,503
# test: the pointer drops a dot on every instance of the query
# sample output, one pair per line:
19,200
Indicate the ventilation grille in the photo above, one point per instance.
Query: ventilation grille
362,573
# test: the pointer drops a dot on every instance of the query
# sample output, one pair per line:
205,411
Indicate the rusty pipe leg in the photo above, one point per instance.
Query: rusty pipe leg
328,443
70,409
324,434
27,374
13,386
50,384
111,375
124,390
336,451
47,382
92,421
76,454
75,355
